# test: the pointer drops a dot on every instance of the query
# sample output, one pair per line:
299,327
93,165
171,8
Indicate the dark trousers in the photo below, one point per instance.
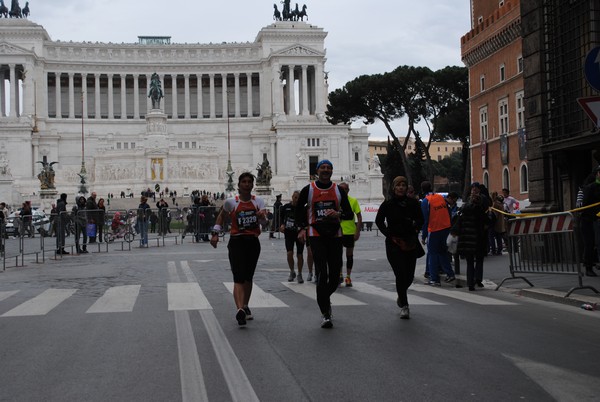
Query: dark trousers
327,257
474,269
403,264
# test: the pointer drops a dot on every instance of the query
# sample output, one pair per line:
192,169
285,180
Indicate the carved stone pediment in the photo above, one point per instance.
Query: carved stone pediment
7,48
298,50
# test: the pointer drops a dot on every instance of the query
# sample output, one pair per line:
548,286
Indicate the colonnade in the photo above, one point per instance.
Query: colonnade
9,103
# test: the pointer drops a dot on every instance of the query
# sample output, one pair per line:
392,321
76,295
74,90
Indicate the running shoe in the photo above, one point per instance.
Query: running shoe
241,317
309,278
299,278
326,322
449,279
480,284
248,313
404,313
433,283
292,276
348,282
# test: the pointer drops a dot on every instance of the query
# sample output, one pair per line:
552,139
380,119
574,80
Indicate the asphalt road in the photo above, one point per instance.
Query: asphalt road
158,324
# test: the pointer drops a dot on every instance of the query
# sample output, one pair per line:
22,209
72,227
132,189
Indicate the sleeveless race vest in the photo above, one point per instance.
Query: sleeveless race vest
439,217
320,200
244,218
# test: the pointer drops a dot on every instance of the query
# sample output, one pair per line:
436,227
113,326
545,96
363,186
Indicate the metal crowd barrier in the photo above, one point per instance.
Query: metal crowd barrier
198,222
545,244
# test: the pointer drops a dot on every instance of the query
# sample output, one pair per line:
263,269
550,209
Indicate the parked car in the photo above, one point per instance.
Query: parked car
41,223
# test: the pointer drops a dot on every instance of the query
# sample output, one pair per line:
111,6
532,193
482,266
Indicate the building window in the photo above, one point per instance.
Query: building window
520,64
503,116
439,158
483,124
133,145
505,178
118,145
193,144
126,145
446,149
520,98
313,142
180,145
502,73
482,83
524,179
356,157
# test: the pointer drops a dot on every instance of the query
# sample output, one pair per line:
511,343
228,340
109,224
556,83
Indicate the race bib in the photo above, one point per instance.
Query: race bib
321,208
290,223
247,220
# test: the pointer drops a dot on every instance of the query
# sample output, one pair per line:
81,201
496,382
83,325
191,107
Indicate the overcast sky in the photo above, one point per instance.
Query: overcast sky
364,36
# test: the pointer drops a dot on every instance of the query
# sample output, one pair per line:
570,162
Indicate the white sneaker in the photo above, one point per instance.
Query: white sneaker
309,277
299,278
292,277
404,313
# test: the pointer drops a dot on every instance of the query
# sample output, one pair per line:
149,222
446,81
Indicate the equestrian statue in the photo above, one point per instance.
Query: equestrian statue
3,10
287,14
155,93
15,10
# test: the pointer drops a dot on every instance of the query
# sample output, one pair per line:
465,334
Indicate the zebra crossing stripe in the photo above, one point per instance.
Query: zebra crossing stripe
259,298
466,297
413,300
118,299
8,293
186,296
308,290
41,304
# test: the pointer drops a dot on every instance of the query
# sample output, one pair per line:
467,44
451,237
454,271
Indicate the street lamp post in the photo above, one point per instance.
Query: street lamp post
82,173
229,189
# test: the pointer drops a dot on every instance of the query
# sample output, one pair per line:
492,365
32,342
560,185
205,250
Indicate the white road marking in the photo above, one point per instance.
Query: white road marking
41,304
466,297
186,296
118,299
413,300
259,297
562,384
8,293
308,290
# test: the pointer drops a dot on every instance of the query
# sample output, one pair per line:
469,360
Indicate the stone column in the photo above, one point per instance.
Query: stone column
249,89
111,114
186,80
136,96
174,113
123,96
304,93
84,104
199,96
97,108
58,99
162,82
290,87
14,85
28,92
319,89
148,100
212,96
2,95
237,94
224,90
71,96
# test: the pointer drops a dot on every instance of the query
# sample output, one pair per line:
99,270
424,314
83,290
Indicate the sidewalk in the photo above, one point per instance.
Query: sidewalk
546,286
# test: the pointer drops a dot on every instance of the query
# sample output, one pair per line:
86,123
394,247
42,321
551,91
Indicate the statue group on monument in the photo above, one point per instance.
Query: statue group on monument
265,174
287,14
15,10
46,176
155,93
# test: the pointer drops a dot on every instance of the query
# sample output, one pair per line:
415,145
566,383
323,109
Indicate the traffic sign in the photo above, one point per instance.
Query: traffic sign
592,68
591,106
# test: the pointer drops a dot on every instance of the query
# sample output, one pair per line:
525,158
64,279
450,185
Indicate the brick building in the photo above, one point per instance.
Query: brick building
492,51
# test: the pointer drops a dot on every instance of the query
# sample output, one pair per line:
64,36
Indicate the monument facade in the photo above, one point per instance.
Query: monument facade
244,102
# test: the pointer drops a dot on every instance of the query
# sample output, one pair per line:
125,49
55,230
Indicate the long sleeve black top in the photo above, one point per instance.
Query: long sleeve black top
399,217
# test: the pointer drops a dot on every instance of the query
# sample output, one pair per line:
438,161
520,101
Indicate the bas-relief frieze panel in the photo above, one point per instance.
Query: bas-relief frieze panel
127,171
192,170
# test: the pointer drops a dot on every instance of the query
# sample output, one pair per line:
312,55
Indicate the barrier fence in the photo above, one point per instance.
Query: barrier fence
544,244
95,231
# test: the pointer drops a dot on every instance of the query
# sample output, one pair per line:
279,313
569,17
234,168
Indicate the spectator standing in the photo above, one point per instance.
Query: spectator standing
399,220
436,229
590,223
350,234
143,213
26,216
62,220
276,216
509,201
101,215
471,228
92,213
80,217
246,212
163,217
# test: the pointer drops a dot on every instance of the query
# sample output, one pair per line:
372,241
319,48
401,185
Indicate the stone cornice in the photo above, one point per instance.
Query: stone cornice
298,50
10,49
494,43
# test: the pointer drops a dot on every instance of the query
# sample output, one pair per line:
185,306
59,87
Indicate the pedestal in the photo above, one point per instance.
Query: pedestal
263,191
47,198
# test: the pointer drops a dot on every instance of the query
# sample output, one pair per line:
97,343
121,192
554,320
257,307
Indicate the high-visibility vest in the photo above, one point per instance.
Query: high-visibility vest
439,216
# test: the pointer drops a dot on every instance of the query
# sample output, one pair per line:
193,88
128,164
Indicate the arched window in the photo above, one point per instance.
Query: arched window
524,180
505,178
486,179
